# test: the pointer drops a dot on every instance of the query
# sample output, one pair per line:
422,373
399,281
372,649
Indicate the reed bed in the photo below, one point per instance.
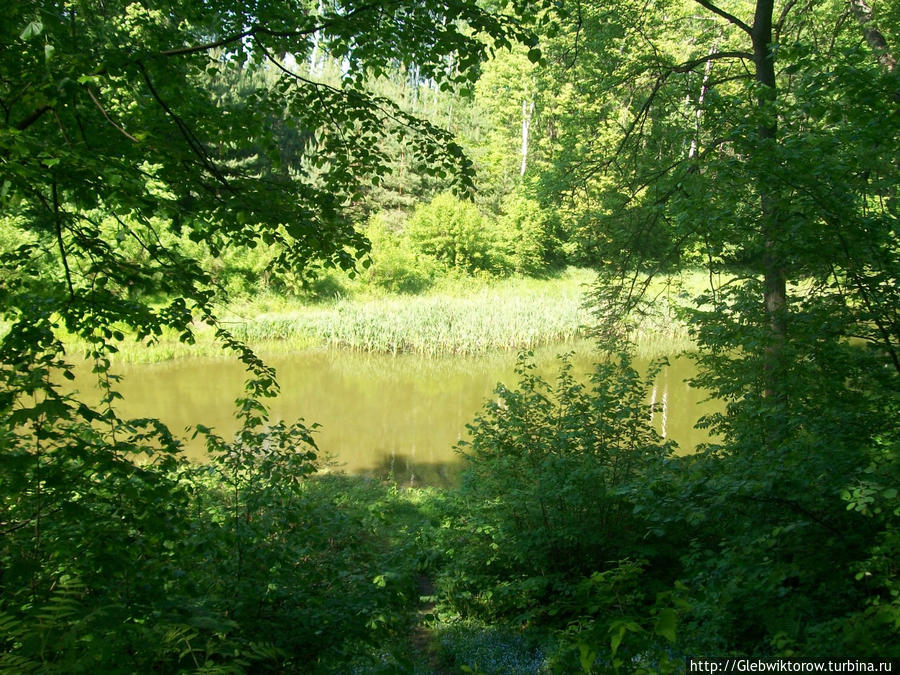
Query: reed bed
464,317
497,318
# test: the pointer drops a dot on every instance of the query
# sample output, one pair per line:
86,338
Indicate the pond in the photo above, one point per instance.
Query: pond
380,415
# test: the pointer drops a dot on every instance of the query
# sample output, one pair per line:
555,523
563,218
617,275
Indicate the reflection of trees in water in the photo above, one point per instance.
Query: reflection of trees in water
408,409
660,409
432,371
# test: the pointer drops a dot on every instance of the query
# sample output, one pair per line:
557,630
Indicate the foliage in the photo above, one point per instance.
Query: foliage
397,265
759,140
503,96
171,567
130,133
873,623
454,232
551,522
521,240
541,451
158,157
529,235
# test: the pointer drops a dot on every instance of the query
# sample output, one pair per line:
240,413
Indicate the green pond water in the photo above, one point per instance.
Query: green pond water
380,415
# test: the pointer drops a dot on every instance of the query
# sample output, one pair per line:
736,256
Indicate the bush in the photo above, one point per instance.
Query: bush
553,535
455,233
528,234
397,266
553,466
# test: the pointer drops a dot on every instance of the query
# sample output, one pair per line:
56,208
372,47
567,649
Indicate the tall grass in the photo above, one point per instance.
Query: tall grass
497,317
460,316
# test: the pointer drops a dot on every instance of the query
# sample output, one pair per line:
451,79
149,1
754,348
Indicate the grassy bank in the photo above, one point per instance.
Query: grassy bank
509,315
459,316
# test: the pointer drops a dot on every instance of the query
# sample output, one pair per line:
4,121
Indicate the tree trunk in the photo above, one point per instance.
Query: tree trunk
527,112
773,265
695,141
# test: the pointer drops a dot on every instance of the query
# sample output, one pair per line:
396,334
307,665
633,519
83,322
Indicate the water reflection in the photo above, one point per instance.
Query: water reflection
396,416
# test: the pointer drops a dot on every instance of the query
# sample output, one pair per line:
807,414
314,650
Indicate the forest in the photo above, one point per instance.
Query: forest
721,173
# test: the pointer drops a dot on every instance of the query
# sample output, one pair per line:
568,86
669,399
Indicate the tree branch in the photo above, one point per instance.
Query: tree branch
779,25
661,79
10,528
731,18
32,118
376,103
108,119
866,19
688,66
192,141
259,29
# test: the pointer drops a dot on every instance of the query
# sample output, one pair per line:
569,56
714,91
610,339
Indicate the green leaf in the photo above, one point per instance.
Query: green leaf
586,657
615,639
666,622
534,55
33,29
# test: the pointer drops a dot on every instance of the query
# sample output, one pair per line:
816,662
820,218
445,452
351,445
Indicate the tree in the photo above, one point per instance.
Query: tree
758,141
750,147
126,112
505,96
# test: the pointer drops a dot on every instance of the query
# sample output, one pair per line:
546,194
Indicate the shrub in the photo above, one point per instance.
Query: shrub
553,466
553,535
456,233
397,266
528,235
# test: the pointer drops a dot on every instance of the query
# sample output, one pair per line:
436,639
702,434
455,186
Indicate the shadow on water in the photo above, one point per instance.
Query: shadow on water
407,471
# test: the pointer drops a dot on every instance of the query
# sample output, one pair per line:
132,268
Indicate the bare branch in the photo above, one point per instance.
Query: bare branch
62,129
205,47
731,18
108,118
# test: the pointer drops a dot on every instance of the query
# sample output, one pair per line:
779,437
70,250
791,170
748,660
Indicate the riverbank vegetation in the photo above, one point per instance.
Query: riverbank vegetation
458,316
306,174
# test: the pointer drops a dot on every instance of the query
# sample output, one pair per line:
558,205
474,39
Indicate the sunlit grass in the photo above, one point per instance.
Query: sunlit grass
518,314
459,316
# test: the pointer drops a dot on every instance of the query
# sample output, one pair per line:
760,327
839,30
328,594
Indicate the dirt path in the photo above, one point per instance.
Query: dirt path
421,640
